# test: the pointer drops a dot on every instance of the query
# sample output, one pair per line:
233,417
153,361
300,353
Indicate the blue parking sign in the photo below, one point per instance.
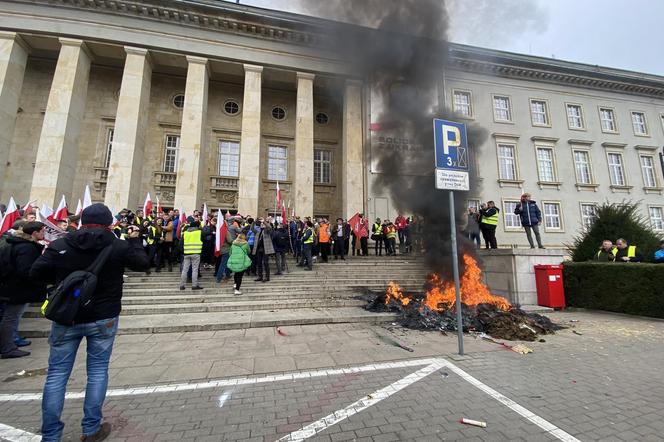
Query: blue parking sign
451,145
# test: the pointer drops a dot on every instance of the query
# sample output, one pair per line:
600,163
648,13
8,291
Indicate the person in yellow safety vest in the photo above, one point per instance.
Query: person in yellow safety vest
153,241
391,234
307,245
607,253
489,223
626,253
377,237
192,245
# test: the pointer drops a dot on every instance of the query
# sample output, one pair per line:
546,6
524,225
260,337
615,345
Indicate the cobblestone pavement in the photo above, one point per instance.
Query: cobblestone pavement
603,383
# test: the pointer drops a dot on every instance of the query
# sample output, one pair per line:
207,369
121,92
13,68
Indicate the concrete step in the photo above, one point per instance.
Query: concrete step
184,322
277,281
230,306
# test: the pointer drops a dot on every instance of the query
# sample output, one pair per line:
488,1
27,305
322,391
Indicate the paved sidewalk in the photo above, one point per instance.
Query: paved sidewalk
601,384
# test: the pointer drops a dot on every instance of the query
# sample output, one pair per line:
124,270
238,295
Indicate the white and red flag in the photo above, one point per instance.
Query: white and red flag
45,211
147,206
28,207
227,215
60,212
284,218
87,199
205,214
10,216
278,195
183,219
220,234
159,209
79,208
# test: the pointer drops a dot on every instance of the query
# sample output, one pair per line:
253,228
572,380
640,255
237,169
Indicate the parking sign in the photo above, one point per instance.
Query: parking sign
451,150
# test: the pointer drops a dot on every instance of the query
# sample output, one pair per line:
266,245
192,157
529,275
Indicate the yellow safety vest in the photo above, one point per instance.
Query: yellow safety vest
377,229
192,242
491,220
631,251
614,251
391,232
309,240
153,230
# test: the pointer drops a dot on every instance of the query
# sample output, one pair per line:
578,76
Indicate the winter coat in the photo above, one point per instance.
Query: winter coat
344,235
169,231
529,212
473,223
280,240
264,238
76,251
231,235
19,288
239,260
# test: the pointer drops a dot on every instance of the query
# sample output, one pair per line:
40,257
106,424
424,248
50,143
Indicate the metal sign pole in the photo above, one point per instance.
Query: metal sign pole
455,267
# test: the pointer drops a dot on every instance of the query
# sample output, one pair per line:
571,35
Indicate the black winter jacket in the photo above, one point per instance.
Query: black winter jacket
76,251
19,287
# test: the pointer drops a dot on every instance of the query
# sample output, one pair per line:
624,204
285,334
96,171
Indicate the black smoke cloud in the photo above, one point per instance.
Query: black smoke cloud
404,56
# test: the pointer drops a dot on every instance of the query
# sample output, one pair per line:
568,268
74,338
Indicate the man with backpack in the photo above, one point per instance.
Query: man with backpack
17,256
87,255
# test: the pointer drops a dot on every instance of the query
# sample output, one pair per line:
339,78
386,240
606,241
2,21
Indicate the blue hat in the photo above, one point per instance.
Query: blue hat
97,214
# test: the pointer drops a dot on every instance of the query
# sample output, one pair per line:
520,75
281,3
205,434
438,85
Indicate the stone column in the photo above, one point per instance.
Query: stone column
13,58
250,142
126,165
57,154
190,173
304,145
352,181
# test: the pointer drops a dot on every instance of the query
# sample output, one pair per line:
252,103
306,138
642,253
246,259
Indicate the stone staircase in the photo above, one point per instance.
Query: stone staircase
154,304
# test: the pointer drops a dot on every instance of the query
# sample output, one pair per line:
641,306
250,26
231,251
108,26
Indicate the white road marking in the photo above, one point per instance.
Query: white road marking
12,434
532,417
361,405
168,388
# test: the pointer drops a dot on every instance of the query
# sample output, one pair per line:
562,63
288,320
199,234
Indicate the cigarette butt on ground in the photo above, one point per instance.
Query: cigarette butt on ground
475,423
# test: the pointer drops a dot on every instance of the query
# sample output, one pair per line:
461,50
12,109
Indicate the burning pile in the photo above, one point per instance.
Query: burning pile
481,310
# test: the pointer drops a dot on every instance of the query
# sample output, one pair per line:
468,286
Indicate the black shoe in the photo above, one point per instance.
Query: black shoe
532,247
542,247
100,435
198,287
181,287
260,278
16,353
309,269
170,269
158,271
148,273
266,280
343,259
278,273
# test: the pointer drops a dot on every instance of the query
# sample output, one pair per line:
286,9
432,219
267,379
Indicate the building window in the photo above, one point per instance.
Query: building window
231,107
178,101
538,112
545,166
463,104
322,118
322,166
507,162
552,217
584,173
648,169
501,108
607,119
278,113
588,214
277,163
616,170
512,221
171,155
574,116
229,158
473,203
656,218
639,123
109,146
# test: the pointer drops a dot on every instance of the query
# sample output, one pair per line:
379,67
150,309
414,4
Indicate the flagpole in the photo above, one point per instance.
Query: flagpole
276,197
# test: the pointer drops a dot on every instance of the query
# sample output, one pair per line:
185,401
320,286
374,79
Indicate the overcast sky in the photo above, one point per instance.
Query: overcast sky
623,34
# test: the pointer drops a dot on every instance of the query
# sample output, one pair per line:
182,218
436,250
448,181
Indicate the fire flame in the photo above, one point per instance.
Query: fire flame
441,296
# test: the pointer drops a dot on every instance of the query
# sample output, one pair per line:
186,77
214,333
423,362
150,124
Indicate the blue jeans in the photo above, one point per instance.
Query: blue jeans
64,342
223,271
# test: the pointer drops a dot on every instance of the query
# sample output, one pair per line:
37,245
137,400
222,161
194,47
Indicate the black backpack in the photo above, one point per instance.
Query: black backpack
74,293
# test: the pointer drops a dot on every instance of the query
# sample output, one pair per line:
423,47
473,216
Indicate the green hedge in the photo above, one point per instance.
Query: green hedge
636,289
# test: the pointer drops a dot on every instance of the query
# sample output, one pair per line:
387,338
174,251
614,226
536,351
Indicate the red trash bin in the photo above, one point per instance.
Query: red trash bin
549,280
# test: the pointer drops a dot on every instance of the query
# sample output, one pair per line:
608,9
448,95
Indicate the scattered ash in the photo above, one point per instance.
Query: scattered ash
514,324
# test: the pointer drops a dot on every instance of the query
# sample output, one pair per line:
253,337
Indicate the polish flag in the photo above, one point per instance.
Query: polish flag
28,207
205,214
222,229
79,208
227,215
159,210
183,219
283,213
147,206
46,211
87,200
278,195
10,216
60,212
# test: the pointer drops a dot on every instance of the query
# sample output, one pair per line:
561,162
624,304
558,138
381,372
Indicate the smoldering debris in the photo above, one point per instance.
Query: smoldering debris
513,324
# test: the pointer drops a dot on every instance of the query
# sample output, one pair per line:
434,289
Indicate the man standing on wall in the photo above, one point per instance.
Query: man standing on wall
488,224
531,216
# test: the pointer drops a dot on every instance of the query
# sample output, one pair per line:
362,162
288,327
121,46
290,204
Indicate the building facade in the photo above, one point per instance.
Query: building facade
215,102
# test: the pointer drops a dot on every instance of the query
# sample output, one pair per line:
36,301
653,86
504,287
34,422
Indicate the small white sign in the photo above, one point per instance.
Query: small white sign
452,180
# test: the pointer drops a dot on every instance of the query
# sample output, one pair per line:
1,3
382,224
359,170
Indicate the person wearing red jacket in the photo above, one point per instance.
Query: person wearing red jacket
401,223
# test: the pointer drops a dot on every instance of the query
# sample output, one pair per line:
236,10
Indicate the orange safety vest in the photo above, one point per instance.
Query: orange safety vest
324,233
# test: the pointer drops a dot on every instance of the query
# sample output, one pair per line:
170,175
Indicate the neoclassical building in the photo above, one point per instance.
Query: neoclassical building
214,102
